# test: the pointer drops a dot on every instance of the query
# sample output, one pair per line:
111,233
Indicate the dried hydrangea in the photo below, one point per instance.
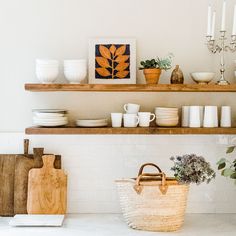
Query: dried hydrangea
192,169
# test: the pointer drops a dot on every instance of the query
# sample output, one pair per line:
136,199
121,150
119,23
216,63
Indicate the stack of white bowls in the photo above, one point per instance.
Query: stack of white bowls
47,70
50,117
167,116
75,70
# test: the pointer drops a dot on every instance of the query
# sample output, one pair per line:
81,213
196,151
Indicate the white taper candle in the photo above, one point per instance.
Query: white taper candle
234,22
223,16
209,21
213,26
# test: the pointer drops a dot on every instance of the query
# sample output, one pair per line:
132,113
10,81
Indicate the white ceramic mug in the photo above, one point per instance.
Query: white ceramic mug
116,120
194,116
210,117
131,108
145,118
185,116
225,116
131,120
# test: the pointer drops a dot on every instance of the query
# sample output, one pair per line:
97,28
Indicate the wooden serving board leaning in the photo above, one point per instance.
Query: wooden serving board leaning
47,189
23,164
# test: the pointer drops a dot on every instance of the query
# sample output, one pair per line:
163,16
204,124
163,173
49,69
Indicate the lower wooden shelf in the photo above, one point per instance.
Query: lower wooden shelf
126,131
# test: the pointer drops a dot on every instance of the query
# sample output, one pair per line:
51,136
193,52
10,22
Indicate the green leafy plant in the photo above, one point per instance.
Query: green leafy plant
159,63
192,169
228,167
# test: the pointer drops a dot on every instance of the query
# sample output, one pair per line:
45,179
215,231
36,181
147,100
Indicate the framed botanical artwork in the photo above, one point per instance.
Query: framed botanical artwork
112,61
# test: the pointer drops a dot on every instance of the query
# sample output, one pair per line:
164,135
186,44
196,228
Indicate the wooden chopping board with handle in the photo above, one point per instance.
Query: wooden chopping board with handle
7,169
47,189
23,164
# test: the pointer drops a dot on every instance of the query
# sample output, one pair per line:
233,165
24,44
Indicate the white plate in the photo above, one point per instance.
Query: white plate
48,115
50,120
51,124
92,123
49,111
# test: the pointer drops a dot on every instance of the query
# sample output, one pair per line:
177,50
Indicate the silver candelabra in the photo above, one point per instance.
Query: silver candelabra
221,48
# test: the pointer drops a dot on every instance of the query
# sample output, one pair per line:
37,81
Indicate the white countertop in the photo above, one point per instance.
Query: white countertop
113,225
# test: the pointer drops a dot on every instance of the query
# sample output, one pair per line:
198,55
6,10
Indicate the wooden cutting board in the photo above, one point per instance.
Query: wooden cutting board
47,189
23,164
7,170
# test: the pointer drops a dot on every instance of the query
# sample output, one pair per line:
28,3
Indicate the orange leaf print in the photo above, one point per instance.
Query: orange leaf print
122,74
103,62
112,49
103,72
105,52
122,58
121,50
122,66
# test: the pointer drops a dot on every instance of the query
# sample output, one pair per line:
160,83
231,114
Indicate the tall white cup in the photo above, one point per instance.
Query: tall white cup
145,118
185,116
116,120
210,117
131,120
131,108
194,116
225,116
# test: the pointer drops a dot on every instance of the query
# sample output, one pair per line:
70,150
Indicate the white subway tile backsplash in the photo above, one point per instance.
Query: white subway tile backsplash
93,163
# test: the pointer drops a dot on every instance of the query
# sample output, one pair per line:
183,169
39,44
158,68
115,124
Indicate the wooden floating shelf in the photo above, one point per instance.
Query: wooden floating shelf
128,131
130,88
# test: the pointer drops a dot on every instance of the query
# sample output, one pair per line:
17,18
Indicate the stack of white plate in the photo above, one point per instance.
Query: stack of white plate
92,123
50,117
167,116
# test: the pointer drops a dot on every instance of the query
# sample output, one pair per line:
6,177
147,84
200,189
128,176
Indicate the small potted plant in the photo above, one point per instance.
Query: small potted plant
152,68
227,166
192,169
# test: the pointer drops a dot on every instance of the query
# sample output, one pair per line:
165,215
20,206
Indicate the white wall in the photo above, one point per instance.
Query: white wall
60,29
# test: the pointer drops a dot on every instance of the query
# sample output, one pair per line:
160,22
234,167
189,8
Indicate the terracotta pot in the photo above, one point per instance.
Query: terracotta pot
152,75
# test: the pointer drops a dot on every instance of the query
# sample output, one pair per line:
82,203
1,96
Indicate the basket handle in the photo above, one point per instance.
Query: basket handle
163,187
148,164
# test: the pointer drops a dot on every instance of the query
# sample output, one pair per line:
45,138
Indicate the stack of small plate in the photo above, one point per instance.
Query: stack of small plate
92,123
50,117
167,116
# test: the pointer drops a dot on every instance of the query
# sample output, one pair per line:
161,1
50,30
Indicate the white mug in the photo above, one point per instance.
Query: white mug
185,116
116,120
194,116
210,117
145,118
225,116
131,108
131,120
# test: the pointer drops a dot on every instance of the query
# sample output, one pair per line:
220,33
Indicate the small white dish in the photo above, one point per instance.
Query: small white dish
202,77
92,123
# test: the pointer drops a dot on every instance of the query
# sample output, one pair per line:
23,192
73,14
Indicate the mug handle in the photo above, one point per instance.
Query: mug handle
153,118
125,107
137,120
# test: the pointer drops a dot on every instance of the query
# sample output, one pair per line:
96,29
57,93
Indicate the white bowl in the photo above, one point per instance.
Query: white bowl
202,77
167,123
75,77
47,75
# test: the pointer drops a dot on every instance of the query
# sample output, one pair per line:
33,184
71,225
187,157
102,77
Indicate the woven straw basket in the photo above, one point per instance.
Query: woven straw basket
153,202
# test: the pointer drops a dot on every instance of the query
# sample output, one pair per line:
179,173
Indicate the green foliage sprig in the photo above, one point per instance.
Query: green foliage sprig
159,63
228,167
192,169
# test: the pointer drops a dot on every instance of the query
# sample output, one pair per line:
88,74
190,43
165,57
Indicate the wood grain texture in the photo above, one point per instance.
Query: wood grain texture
7,170
130,88
24,163
132,131
47,189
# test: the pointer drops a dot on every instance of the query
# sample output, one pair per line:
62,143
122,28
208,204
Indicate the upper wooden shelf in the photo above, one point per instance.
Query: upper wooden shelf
130,88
